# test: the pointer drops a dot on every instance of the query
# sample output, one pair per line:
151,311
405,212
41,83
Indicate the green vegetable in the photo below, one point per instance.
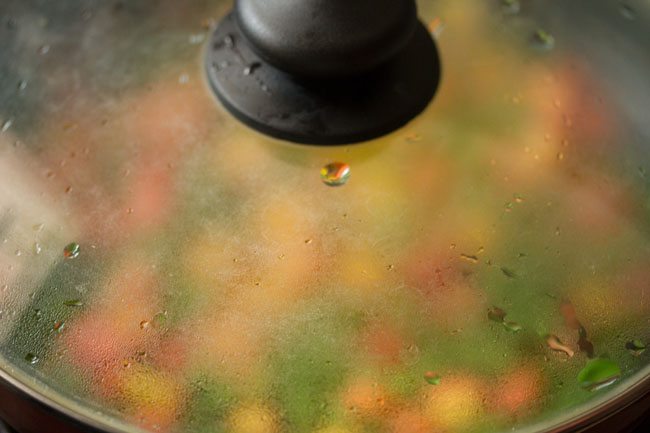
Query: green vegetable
599,373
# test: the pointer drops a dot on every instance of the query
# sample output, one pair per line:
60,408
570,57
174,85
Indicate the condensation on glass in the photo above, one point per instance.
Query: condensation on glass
484,269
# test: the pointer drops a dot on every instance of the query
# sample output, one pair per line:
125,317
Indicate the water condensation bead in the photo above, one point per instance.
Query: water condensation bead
469,258
432,378
58,326
513,327
627,12
71,251
73,303
497,315
599,373
635,347
554,343
510,6
335,174
509,273
543,41
32,358
6,125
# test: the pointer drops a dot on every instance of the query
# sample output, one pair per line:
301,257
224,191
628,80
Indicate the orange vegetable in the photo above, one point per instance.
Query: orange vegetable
411,421
365,397
108,332
518,392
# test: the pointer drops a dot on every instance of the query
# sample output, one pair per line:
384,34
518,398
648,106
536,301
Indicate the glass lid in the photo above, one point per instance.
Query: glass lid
484,269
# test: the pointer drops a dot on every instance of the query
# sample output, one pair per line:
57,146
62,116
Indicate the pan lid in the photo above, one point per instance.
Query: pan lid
164,268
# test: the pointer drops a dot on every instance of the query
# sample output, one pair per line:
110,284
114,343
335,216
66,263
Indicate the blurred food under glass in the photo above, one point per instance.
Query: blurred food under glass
163,268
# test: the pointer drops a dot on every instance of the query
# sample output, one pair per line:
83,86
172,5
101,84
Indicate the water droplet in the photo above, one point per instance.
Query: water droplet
221,65
560,156
44,49
18,253
469,258
510,6
436,27
432,378
184,79
32,358
413,138
6,125
196,38
508,207
250,69
390,267
509,273
627,12
37,248
519,199
22,85
208,24
73,303
636,347
71,251
512,326
555,344
335,174
59,326
598,374
228,42
159,319
145,324
308,241
497,315
410,355
543,41
583,342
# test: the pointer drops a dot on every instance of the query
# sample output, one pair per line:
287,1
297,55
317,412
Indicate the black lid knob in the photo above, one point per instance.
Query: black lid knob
323,71
327,38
